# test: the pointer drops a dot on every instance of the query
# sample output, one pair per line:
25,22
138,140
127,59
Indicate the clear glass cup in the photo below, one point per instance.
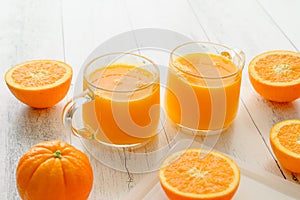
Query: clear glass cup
203,86
120,105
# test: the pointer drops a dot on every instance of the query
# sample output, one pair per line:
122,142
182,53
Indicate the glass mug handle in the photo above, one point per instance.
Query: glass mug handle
70,109
241,54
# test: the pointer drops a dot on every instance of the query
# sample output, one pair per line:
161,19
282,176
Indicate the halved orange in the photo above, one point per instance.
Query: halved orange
285,142
275,75
199,174
39,83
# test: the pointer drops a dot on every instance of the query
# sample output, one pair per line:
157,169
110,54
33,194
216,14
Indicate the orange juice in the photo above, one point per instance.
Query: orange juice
202,91
126,102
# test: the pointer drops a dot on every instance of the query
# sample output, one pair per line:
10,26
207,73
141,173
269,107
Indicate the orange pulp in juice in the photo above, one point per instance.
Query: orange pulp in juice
202,91
126,105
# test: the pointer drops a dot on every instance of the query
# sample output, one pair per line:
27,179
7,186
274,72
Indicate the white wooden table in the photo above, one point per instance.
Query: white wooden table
69,30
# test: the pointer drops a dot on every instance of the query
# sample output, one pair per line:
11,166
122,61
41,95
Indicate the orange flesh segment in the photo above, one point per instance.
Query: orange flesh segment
289,137
210,174
38,74
278,68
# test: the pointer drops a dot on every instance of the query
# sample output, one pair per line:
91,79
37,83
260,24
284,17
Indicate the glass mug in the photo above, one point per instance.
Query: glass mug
120,105
203,86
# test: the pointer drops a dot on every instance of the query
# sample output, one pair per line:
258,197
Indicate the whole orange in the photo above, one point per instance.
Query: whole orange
39,83
54,170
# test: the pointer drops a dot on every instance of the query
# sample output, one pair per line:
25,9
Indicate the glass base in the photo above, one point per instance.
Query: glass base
197,132
104,141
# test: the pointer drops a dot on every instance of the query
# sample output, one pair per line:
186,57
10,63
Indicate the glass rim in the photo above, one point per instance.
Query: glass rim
240,68
154,81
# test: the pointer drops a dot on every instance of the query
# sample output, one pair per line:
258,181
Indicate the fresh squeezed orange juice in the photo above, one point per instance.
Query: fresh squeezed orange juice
202,91
126,102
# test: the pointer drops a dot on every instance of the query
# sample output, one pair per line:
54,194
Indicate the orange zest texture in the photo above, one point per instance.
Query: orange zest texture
54,170
39,83
199,174
275,75
285,142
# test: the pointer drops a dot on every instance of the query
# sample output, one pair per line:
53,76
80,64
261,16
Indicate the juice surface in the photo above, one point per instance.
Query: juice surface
196,96
205,65
126,104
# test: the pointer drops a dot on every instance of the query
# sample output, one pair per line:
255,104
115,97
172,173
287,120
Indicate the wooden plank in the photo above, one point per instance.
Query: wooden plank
253,33
89,24
284,15
86,26
29,30
174,16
